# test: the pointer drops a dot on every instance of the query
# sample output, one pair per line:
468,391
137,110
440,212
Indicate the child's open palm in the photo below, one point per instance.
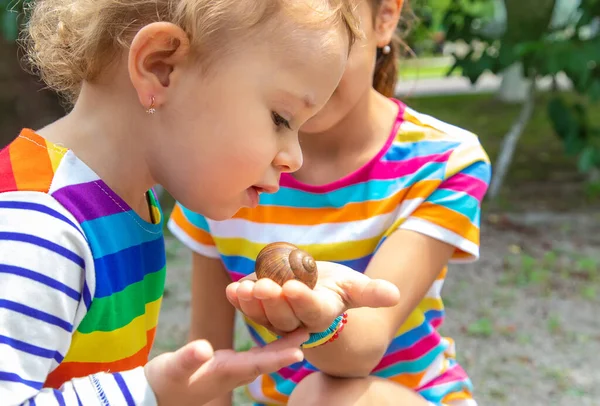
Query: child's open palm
293,305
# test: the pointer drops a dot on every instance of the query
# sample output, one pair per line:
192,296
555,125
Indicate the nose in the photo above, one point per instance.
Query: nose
289,158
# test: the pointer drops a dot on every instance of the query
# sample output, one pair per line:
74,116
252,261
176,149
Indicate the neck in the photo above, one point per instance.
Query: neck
363,126
102,132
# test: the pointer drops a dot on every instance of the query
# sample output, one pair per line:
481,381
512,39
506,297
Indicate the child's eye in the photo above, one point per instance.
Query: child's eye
280,121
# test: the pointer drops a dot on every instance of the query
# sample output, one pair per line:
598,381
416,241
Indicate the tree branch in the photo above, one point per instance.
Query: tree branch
510,141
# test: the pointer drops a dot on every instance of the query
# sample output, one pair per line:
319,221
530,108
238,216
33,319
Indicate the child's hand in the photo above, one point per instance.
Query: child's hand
194,374
284,309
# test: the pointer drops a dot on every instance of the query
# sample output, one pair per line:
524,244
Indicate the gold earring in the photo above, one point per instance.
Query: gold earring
151,109
386,50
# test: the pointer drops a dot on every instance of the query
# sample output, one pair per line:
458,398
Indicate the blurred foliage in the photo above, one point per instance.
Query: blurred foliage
11,18
529,35
425,33
428,31
546,45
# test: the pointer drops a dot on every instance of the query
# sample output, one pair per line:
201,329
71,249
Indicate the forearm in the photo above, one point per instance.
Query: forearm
410,261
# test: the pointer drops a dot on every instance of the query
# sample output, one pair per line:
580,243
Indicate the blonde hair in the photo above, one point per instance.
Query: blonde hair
71,41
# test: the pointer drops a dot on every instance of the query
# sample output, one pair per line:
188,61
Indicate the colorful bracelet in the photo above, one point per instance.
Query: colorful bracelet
337,333
329,335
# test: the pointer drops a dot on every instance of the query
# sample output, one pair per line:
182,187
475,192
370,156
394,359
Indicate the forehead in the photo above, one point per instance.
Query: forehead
296,46
311,56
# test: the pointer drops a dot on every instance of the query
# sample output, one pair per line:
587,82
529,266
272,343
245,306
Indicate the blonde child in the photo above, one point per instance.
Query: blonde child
385,192
202,96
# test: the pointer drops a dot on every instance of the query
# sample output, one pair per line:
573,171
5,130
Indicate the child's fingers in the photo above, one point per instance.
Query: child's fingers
231,293
253,310
269,361
272,357
312,308
266,289
233,369
289,340
277,309
245,290
280,315
188,359
249,305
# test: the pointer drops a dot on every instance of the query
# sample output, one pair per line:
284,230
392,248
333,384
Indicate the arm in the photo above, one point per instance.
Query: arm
445,225
209,303
412,262
46,285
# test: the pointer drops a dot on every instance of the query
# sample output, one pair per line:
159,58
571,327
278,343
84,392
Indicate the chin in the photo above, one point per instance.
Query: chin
221,214
212,211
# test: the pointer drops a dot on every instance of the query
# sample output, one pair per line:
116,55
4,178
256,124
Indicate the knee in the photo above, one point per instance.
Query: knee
321,389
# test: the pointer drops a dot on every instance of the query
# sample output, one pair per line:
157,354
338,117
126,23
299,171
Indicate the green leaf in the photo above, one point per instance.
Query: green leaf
561,118
586,159
594,90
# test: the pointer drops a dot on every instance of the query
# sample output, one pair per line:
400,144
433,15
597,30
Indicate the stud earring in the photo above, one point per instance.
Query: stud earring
386,50
151,109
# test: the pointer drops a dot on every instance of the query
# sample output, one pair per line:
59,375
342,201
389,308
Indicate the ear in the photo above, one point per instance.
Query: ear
386,20
156,52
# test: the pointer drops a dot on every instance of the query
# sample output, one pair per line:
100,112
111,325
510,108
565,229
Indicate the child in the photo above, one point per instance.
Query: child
384,191
164,91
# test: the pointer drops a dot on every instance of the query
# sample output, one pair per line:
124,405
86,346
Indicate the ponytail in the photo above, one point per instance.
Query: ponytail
387,65
386,69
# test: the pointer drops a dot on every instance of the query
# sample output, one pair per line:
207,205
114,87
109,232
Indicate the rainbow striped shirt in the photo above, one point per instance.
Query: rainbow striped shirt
81,282
430,177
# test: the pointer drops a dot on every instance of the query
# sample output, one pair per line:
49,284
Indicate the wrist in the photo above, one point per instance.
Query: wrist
329,335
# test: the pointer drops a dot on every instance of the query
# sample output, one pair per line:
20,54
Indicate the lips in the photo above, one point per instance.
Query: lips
266,188
253,193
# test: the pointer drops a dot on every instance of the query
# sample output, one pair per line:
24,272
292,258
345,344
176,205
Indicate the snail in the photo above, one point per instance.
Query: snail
282,261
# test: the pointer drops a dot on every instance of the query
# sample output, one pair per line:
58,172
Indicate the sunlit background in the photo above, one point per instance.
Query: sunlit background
525,76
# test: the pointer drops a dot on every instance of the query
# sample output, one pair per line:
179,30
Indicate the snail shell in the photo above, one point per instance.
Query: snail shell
282,261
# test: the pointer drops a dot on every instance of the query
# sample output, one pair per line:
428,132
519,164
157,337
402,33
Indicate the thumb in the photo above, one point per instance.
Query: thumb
186,360
365,292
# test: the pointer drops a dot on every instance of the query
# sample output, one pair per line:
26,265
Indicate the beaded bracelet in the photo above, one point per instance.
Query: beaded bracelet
341,327
329,335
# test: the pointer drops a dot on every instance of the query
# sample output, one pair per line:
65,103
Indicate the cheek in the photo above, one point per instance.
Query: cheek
360,67
246,149
356,80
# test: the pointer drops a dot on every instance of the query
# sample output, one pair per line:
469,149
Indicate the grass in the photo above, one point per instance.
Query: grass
553,272
424,71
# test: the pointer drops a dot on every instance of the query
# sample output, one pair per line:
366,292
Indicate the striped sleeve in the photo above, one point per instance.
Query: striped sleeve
452,212
47,282
193,231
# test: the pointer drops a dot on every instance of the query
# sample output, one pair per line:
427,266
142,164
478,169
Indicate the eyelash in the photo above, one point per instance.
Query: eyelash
279,121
